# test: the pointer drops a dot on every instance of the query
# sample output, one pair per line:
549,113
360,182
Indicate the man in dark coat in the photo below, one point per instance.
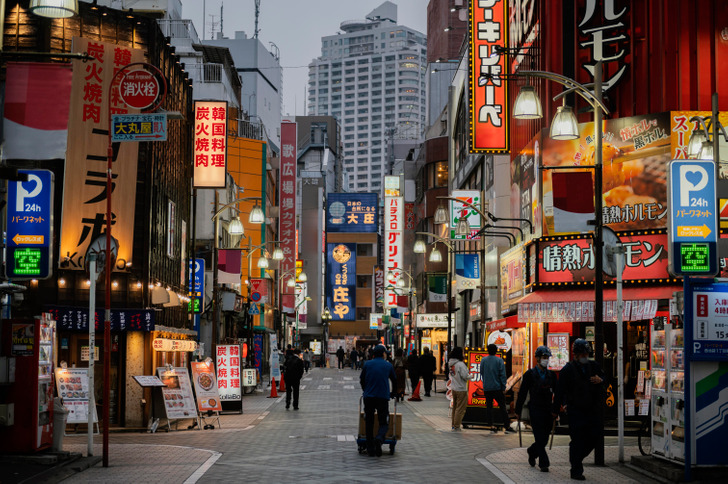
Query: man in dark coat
413,368
340,356
580,388
375,379
427,369
353,356
294,373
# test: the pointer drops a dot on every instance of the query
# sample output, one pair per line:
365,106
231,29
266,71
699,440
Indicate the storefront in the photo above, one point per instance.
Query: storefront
432,329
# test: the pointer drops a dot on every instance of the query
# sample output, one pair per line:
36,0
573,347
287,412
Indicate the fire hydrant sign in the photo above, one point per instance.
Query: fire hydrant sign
228,372
139,89
693,223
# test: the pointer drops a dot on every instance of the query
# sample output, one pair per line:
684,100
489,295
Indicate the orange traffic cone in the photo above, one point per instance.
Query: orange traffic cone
416,394
282,387
273,392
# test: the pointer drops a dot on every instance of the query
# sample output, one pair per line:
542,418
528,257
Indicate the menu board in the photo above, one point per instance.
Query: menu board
558,343
203,377
179,402
73,388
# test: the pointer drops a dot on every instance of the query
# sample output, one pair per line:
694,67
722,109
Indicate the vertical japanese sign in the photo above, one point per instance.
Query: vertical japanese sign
604,30
341,290
488,91
228,372
84,181
210,145
378,289
287,209
393,257
258,353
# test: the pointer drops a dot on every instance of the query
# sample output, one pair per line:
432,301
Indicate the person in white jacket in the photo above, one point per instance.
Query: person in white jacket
459,377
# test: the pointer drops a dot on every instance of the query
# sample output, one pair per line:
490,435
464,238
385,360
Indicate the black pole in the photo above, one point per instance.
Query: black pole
598,258
449,298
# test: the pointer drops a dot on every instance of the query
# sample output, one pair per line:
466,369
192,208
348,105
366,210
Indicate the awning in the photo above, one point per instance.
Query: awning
610,294
500,324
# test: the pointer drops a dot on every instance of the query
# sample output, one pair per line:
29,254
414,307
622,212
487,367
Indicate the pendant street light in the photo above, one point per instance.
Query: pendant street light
236,227
462,228
263,262
441,215
256,215
696,142
54,8
277,253
564,125
527,105
706,151
420,247
435,255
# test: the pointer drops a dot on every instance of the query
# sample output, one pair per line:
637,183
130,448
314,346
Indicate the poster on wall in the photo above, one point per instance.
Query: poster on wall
558,343
206,389
73,387
179,402
476,395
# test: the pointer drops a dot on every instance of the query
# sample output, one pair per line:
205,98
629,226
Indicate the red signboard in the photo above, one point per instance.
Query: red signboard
476,395
572,260
287,212
139,89
488,91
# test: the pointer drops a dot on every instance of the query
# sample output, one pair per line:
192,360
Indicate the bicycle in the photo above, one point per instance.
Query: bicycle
644,437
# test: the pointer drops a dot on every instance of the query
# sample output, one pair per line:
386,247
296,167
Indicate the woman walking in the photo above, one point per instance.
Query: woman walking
459,377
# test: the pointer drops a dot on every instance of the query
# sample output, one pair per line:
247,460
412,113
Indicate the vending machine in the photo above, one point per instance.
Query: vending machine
31,343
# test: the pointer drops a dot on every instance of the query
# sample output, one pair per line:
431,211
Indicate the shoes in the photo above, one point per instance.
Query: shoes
546,469
494,431
371,452
532,461
288,407
427,394
580,477
378,448
295,408
456,429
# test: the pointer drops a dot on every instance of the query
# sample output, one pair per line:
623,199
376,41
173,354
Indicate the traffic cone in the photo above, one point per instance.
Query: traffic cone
416,394
273,392
282,387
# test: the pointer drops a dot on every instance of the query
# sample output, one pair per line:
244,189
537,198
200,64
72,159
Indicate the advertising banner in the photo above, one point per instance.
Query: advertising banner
378,289
432,320
84,180
258,353
710,322
206,389
571,261
467,271
636,151
558,343
437,287
352,212
275,363
488,91
72,384
341,289
476,395
393,250
228,362
76,319
210,144
513,276
525,175
179,402
287,205
460,210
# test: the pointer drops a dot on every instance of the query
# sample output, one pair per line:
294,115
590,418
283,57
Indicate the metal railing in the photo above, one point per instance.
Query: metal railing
251,130
179,29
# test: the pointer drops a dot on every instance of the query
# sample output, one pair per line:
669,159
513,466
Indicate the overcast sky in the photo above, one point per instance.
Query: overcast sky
296,27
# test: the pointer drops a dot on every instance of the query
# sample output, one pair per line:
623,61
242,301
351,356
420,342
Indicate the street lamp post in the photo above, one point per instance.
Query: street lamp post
291,283
325,322
401,285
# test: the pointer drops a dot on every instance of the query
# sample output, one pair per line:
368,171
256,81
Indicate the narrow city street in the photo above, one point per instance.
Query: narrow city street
267,443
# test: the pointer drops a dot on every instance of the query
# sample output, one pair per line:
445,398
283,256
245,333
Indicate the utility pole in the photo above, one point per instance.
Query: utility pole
257,17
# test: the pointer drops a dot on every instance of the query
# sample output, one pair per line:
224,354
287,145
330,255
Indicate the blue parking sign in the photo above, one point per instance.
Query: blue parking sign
30,226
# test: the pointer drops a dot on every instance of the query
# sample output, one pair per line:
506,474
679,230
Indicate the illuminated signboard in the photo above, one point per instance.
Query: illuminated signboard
287,210
352,212
210,145
488,91
341,289
27,262
460,210
694,258
393,250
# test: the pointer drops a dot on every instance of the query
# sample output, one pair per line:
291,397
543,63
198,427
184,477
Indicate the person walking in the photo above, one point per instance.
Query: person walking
306,360
413,369
580,388
493,376
459,377
376,394
353,357
340,353
427,369
360,360
539,384
294,373
400,373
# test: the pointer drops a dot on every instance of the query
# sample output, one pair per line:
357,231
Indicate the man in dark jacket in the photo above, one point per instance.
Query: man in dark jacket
294,373
580,388
353,356
377,392
340,353
540,383
413,369
427,369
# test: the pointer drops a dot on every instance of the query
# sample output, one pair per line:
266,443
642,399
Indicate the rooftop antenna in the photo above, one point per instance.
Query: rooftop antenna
221,17
257,16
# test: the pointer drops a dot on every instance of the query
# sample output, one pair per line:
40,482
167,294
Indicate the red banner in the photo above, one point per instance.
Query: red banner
287,211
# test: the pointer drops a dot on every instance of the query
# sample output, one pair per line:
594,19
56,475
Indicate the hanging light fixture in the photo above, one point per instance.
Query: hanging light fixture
462,228
263,262
400,282
527,105
54,8
302,276
256,215
291,282
236,227
277,254
706,151
440,215
435,256
696,143
564,125
420,246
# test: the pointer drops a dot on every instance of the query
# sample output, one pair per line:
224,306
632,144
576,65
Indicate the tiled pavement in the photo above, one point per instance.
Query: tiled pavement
316,443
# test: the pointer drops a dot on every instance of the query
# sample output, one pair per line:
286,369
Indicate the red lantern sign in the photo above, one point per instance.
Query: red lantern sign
245,350
139,89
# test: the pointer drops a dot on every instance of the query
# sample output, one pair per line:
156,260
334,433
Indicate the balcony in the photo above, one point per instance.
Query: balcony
211,81
179,29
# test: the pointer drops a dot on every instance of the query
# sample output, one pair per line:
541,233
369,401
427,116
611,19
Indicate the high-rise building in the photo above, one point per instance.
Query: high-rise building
371,77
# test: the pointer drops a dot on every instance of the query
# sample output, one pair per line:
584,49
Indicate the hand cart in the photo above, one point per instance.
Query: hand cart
394,432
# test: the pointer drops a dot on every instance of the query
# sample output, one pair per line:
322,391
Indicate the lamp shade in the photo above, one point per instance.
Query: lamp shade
463,227
435,256
706,151
291,282
54,8
564,125
263,262
256,215
236,227
277,254
440,215
400,282
527,105
696,142
420,247
302,276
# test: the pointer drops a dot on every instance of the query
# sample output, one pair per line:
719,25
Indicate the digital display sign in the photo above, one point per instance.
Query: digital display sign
695,258
27,262
194,305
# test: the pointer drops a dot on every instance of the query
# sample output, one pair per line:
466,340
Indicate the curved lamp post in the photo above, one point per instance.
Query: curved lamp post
401,284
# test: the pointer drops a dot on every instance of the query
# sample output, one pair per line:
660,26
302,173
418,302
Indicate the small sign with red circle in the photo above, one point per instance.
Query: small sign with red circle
139,89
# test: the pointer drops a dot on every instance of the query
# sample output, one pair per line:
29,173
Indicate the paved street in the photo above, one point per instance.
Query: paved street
316,443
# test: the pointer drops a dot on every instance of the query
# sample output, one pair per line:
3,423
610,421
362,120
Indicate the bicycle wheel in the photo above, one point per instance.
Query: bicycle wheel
644,438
